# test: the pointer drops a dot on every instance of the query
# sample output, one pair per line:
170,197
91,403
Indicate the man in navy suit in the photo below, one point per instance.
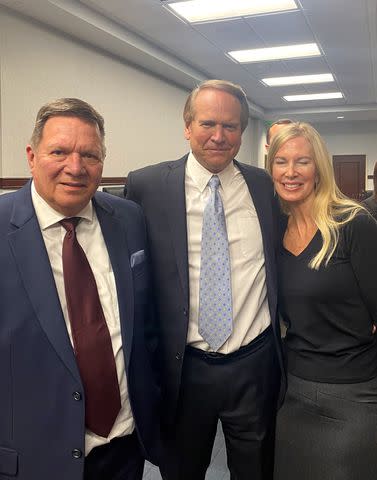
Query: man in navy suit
236,382
44,430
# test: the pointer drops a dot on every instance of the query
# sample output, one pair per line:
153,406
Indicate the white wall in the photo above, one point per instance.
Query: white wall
143,114
351,138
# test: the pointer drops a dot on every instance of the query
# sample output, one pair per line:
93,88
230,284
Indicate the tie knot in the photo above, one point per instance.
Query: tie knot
214,182
70,224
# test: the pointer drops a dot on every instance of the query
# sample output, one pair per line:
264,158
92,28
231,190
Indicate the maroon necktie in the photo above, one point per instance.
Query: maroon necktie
91,337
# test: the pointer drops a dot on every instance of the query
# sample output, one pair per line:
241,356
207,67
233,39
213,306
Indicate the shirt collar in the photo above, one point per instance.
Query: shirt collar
201,175
47,216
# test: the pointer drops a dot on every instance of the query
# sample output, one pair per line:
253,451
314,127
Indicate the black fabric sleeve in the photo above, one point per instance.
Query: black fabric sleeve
361,239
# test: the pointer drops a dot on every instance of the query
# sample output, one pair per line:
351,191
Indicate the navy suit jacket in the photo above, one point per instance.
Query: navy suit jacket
160,190
41,420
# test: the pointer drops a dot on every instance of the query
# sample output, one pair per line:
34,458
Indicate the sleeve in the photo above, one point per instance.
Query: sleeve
151,324
361,238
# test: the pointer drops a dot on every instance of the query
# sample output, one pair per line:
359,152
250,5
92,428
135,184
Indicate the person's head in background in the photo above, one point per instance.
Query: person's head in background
274,128
375,180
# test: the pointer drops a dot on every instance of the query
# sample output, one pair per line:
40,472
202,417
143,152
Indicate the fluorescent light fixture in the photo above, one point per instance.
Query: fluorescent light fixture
207,10
276,53
298,80
313,96
340,116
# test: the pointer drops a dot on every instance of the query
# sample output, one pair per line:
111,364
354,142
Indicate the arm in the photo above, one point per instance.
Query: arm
361,237
151,324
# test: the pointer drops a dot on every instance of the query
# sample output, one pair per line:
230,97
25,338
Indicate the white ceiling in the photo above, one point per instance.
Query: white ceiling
144,33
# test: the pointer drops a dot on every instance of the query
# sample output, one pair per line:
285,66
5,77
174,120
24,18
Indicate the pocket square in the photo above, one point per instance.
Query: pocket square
137,258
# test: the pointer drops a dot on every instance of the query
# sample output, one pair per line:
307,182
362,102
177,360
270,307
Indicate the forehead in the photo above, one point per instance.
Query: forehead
67,128
211,101
297,145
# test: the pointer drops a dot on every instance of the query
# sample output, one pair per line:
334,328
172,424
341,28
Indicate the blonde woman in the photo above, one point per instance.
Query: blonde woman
327,427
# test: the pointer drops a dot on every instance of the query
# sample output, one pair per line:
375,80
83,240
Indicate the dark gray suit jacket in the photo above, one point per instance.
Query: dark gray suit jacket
160,190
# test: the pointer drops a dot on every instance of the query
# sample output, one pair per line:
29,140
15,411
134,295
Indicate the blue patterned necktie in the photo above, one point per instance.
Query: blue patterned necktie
215,291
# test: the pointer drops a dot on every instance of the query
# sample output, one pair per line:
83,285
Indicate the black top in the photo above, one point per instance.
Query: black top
370,204
330,312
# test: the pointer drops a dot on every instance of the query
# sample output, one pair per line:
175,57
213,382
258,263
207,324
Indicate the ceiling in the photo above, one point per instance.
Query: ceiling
145,34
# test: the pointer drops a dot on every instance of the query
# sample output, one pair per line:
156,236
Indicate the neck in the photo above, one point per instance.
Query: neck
301,220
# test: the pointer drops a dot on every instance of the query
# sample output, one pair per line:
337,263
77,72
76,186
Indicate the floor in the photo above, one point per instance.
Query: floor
218,469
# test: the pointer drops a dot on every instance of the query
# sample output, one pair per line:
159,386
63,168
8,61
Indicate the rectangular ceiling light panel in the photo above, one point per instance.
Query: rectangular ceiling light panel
313,96
298,80
208,10
276,53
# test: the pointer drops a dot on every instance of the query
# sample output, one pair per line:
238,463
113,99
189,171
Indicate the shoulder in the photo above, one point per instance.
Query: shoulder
362,226
120,206
250,171
370,200
8,202
152,171
370,203
7,199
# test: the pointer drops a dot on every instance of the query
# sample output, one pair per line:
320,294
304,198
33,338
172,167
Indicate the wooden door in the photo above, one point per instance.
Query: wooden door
349,173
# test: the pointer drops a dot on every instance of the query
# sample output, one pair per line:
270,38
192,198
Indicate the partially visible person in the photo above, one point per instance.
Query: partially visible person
212,227
370,203
327,427
78,396
274,128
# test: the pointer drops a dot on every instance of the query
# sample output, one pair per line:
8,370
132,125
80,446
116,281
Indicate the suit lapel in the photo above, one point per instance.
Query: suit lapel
176,214
115,238
29,251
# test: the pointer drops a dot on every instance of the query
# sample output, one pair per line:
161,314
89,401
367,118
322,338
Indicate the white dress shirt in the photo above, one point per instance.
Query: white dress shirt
251,315
89,236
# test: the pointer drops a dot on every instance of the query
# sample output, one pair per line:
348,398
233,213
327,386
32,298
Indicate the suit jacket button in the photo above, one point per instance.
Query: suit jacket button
178,356
76,396
76,453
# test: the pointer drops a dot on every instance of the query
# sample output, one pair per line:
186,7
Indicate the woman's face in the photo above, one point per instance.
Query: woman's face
294,171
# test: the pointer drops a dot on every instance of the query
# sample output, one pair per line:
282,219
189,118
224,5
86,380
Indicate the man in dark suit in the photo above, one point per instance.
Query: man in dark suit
219,340
78,398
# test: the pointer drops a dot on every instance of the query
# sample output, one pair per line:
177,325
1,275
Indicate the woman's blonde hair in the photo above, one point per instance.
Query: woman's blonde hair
331,209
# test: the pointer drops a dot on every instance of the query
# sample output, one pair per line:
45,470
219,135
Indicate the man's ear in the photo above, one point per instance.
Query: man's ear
188,131
30,156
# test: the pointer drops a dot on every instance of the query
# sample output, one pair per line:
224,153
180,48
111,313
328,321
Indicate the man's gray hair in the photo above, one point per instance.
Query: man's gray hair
67,107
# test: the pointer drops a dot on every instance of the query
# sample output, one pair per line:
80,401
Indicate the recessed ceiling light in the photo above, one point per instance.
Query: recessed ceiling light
207,10
276,53
340,116
298,79
313,96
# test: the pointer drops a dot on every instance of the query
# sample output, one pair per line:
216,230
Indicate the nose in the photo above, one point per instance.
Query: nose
75,164
218,134
290,171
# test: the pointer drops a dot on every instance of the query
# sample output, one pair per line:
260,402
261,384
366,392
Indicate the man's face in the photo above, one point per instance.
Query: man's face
215,131
67,164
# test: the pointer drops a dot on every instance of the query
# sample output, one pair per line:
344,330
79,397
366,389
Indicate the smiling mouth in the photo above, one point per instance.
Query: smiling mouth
292,186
